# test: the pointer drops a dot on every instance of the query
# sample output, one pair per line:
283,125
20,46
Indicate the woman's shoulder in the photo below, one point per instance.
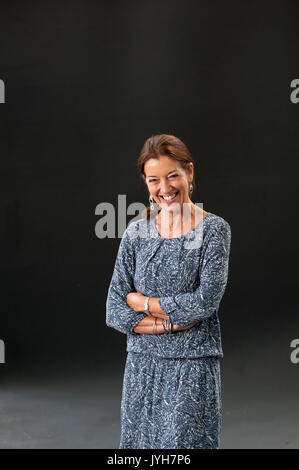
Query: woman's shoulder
217,224
136,229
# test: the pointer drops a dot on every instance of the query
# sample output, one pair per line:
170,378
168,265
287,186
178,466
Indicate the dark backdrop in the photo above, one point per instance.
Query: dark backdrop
86,83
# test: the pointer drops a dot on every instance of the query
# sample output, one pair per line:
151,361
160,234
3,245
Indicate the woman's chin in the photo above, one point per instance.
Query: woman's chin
176,207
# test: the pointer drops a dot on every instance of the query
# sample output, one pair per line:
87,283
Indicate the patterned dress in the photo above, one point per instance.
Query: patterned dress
171,397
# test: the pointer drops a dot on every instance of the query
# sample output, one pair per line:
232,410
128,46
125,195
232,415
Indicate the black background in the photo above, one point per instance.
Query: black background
86,83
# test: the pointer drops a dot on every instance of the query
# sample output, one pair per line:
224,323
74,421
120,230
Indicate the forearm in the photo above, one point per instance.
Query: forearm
155,309
145,326
136,300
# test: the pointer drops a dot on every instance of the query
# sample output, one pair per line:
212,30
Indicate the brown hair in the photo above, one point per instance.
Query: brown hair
164,145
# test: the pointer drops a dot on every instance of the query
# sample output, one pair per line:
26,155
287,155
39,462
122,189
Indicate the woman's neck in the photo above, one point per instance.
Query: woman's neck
181,221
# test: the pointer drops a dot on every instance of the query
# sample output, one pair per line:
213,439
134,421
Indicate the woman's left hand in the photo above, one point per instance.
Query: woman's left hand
135,300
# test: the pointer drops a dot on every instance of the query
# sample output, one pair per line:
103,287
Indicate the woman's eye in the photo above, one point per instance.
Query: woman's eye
171,176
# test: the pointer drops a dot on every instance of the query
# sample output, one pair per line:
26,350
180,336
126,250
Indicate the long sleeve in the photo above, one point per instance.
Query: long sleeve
118,313
186,308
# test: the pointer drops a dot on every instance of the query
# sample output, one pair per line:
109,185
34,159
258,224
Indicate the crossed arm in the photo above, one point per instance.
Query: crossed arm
135,300
125,307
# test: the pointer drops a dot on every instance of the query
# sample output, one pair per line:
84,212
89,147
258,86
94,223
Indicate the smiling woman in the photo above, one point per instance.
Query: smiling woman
171,397
166,166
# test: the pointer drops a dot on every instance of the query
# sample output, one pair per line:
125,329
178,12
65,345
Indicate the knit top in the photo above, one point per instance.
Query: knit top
188,274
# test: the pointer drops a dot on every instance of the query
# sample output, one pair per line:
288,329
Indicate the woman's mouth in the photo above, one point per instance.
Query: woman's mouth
172,197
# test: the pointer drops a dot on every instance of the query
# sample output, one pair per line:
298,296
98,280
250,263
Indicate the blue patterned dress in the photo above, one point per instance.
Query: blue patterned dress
171,397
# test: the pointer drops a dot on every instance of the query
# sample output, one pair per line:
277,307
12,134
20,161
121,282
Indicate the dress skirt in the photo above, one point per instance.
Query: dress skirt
170,403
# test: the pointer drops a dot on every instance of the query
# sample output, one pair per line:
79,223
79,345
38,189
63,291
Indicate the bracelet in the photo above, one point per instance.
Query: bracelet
167,330
154,324
146,306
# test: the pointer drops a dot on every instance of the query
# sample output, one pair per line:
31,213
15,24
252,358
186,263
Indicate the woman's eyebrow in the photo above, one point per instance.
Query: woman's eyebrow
151,176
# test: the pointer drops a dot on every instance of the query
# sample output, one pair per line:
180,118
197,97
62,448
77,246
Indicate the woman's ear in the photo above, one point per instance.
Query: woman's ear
191,170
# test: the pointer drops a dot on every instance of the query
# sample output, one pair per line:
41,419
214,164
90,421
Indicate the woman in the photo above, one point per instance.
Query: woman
169,277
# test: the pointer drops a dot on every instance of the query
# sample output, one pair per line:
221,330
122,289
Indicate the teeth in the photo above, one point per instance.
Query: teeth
169,197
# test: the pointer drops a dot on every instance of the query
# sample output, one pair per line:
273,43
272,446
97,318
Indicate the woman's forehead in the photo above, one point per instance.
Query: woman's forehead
162,165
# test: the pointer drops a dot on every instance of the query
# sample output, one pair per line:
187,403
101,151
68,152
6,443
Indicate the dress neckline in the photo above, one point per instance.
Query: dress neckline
182,236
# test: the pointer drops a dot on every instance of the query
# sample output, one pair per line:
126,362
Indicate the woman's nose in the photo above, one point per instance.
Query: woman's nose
164,187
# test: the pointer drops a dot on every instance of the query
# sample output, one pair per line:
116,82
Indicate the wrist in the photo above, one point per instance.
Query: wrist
149,305
153,305
145,307
158,326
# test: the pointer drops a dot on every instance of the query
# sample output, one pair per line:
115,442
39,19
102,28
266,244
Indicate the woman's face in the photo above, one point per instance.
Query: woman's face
165,177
